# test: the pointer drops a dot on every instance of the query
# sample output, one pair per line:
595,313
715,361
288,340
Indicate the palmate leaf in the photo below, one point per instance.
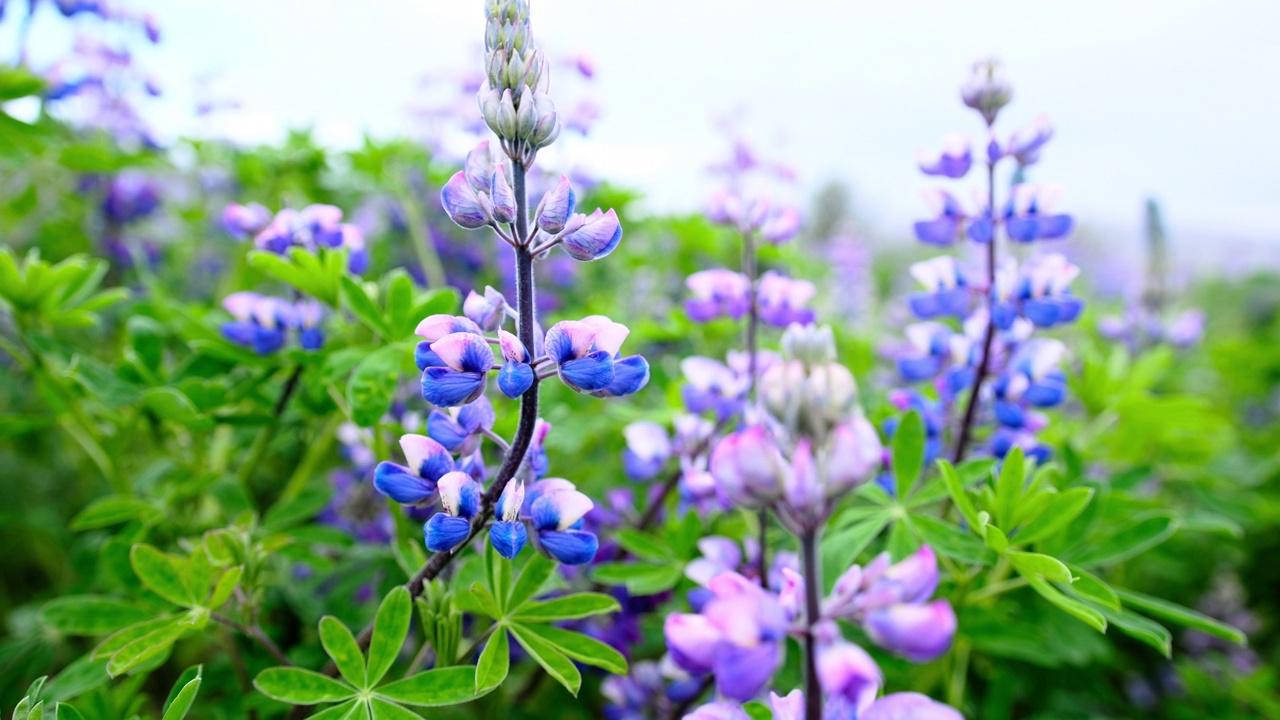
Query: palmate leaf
1069,605
90,614
434,688
1175,613
495,661
639,579
1133,540
390,627
568,607
537,570
341,645
162,574
1139,628
497,571
300,687
583,648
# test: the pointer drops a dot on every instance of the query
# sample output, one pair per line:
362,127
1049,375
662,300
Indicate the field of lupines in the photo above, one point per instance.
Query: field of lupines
383,433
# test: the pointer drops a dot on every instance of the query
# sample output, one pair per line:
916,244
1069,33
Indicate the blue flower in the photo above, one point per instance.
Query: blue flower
508,533
467,360
416,482
556,509
460,499
460,429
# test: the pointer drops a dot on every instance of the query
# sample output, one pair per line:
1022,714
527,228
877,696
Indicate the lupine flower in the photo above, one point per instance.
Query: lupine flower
1025,144
947,227
487,310
717,293
1045,293
896,706
930,350
738,637
591,237
1028,215
435,327
309,314
414,483
556,207
782,300
556,508
130,196
847,673
953,161
460,500
465,197
466,360
516,375
749,467
586,356
890,602
260,321
946,289
718,711
243,221
460,430
508,533
648,449
1032,378
312,228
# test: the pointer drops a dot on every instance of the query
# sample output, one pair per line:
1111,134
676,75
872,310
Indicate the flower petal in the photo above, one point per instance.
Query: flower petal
588,374
508,538
571,547
402,484
515,378
445,532
464,352
443,387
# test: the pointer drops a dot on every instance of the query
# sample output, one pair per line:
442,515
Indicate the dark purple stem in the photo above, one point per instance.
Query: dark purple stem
812,588
984,364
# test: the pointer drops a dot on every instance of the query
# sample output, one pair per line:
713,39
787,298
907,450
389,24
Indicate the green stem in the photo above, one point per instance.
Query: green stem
959,673
416,222
316,450
994,589
268,433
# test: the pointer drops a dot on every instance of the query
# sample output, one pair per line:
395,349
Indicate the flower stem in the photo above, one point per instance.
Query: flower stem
984,364
750,268
812,589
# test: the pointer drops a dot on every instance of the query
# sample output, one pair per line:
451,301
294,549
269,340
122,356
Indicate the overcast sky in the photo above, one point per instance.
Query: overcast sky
1175,98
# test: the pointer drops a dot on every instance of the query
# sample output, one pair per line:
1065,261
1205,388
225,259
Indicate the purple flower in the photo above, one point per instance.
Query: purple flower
948,224
987,89
782,300
738,637
946,290
930,348
464,206
1029,216
749,467
847,672
919,633
415,482
508,533
242,221
718,711
460,500
953,161
260,321
130,196
648,449
591,237
556,207
487,310
717,293
909,706
1044,291
586,356
467,359
556,509
460,430
1025,144
516,375
309,314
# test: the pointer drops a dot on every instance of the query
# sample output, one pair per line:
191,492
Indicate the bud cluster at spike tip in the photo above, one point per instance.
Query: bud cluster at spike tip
958,303
514,101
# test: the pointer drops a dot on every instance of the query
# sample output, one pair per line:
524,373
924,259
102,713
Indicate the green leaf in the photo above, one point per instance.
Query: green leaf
1071,606
643,546
1064,508
950,541
440,300
90,614
114,642
535,574
434,688
17,82
1092,588
169,404
145,648
556,664
226,585
1009,483
841,549
995,538
66,712
390,628
146,338
81,676
1133,540
341,645
109,511
349,710
639,579
399,304
908,453
180,703
959,495
495,661
1037,565
373,384
568,607
1180,615
1140,628
358,302
383,710
902,541
162,574
300,687
582,648
477,598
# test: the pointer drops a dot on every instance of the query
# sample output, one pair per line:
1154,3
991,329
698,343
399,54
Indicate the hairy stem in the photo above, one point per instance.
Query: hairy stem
812,589
984,364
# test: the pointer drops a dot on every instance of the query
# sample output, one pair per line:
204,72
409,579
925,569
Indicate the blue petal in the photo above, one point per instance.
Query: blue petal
1010,415
538,462
546,515
915,369
445,532
925,305
436,465
469,500
954,302
1022,229
442,429
1069,309
571,547
425,357
401,484
980,230
1043,313
476,415
638,468
1003,314
267,341
240,333
1045,394
590,373
938,232
629,375
311,338
508,538
515,378
444,387
1053,227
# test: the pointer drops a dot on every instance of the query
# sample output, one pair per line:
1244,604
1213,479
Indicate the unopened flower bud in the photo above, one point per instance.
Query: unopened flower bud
464,205
490,101
809,344
479,166
513,75
504,199
507,116
987,88
853,455
526,119
556,207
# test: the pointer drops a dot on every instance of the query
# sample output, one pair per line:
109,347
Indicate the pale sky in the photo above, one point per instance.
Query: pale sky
1176,98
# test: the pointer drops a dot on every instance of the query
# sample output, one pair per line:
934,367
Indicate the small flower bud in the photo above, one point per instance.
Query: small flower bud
504,199
526,119
987,88
598,236
556,207
507,116
490,101
479,166
513,75
809,344
463,205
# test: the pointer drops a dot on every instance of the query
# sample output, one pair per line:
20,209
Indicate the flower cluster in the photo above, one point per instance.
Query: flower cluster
979,323
313,228
262,322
